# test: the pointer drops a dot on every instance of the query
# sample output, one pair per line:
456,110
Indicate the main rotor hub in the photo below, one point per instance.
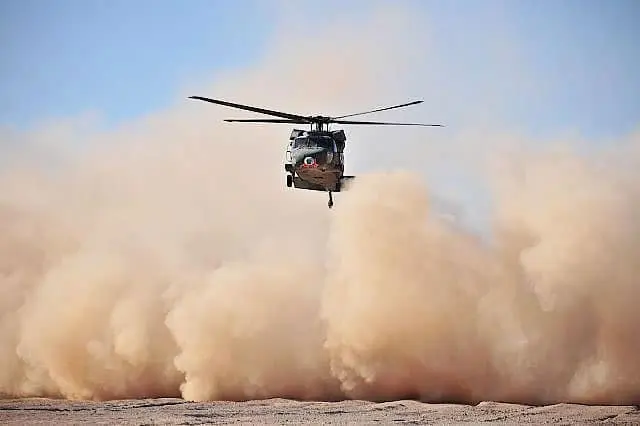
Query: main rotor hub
320,118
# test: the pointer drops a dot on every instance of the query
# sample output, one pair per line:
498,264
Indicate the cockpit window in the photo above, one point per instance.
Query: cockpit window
313,142
302,142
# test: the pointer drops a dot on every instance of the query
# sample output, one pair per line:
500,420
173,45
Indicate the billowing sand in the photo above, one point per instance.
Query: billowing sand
147,266
165,257
279,411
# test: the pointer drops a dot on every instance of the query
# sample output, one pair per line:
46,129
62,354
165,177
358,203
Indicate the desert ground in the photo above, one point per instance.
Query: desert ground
280,411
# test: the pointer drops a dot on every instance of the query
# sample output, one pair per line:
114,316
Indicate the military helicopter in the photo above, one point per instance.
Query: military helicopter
314,158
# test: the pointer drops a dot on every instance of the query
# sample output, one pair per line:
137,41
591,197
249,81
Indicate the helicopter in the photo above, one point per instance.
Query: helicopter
314,158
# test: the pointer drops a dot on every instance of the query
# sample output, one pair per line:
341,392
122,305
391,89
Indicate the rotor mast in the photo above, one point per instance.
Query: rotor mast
320,123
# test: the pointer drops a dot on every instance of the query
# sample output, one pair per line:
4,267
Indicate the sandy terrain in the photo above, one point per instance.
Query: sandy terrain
278,411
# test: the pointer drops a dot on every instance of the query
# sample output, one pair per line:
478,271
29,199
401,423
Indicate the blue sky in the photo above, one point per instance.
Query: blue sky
587,60
118,57
579,59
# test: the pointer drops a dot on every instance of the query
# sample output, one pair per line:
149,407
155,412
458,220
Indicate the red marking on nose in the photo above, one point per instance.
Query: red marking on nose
309,162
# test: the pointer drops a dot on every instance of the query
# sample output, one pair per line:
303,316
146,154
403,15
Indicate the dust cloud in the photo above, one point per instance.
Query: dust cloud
152,267
166,257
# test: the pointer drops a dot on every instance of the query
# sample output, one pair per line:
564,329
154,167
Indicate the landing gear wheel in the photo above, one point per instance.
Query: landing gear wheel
289,181
330,204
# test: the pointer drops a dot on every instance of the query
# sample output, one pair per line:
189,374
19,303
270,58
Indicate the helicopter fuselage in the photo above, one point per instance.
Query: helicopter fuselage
315,160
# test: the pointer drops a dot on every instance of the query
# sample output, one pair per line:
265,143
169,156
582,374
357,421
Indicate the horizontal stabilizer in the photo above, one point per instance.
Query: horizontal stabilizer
345,181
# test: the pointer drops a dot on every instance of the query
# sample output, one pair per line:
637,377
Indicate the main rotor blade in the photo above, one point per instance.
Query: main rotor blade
254,109
264,120
381,109
382,123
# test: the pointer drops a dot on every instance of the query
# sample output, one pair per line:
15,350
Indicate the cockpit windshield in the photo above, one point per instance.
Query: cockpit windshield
314,142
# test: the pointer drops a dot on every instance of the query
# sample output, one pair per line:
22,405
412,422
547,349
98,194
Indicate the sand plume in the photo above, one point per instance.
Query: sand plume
166,257
132,278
